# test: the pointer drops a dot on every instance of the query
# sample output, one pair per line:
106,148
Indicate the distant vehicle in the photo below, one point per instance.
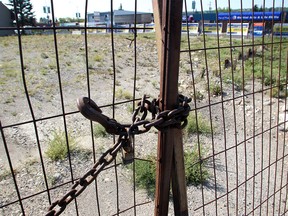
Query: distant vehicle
25,31
190,19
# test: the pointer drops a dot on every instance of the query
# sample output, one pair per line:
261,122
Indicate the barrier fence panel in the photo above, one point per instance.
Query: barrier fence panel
83,105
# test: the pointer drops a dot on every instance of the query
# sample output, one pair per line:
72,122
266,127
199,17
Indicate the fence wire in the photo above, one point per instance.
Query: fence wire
237,127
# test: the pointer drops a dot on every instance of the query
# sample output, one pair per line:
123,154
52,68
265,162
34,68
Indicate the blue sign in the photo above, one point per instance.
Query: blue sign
258,29
249,16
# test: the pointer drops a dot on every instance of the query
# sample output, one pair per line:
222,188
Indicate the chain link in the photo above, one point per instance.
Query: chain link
160,120
80,185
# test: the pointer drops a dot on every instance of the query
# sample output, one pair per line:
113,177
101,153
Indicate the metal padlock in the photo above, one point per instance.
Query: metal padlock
127,151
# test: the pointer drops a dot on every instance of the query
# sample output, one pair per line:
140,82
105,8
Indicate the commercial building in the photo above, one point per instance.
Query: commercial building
120,17
268,18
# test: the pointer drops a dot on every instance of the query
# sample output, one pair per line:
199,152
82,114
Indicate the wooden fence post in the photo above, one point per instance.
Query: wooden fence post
170,162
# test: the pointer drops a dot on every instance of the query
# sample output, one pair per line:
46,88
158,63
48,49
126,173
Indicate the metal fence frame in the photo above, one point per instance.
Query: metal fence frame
279,161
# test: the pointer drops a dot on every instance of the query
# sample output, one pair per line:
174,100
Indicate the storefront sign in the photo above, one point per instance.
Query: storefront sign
193,28
211,28
250,16
237,29
280,29
258,29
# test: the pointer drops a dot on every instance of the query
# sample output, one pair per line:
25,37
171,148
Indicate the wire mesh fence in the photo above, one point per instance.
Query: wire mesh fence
233,64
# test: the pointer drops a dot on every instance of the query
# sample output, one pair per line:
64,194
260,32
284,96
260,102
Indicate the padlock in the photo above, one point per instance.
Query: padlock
127,151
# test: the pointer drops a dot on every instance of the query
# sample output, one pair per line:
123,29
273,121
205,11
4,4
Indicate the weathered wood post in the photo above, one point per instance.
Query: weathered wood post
170,160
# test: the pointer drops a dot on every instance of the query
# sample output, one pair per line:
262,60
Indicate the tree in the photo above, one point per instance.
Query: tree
261,9
23,11
256,8
224,9
70,20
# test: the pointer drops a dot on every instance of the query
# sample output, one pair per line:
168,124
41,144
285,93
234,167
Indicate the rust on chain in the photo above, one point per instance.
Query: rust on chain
79,186
90,110
160,120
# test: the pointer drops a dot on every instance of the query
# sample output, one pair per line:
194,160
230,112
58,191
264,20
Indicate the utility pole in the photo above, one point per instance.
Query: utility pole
210,6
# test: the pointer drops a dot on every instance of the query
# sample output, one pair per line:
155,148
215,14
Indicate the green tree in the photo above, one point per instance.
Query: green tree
261,9
256,8
23,12
224,9
70,20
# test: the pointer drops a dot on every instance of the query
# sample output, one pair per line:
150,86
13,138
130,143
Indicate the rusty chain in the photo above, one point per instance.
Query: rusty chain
80,185
160,120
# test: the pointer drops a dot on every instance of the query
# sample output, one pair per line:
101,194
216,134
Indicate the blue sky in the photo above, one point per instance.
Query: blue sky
68,8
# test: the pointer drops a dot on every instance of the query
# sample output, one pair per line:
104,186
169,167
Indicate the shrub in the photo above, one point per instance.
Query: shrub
198,95
203,125
268,81
145,174
278,92
215,89
122,94
57,146
98,58
196,170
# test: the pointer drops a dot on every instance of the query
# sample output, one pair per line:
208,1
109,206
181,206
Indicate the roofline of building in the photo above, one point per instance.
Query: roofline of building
129,12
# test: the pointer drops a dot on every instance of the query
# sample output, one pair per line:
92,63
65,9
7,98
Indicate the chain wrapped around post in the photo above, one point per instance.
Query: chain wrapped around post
126,132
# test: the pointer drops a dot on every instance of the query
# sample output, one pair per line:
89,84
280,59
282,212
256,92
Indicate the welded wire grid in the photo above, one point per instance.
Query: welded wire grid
248,161
245,153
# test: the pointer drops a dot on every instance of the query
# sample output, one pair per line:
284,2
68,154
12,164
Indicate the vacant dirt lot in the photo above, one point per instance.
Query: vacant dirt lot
247,151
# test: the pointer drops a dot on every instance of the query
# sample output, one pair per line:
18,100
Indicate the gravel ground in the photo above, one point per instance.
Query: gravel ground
246,141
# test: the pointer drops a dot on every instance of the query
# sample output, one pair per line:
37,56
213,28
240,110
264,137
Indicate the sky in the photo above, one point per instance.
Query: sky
69,8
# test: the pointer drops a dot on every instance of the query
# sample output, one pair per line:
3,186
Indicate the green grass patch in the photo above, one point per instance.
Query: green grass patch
9,70
98,58
198,95
236,79
196,170
57,146
9,100
99,131
123,94
279,92
52,66
202,125
5,173
268,63
215,89
145,172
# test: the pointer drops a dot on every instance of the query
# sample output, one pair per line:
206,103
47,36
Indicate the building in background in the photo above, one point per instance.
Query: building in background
268,18
120,17
5,20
